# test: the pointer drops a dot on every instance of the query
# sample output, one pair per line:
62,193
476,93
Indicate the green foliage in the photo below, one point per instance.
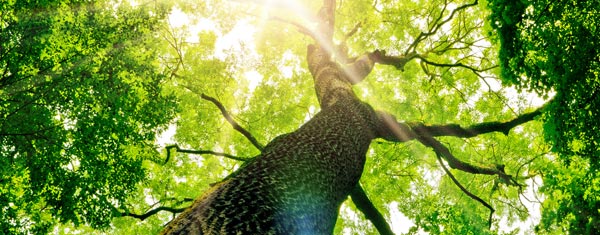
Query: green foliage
86,86
552,47
80,102
573,200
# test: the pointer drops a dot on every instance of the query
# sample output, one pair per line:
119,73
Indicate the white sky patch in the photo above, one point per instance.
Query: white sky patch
149,199
399,223
517,100
167,136
180,179
529,199
289,64
432,177
312,111
237,40
254,78
179,19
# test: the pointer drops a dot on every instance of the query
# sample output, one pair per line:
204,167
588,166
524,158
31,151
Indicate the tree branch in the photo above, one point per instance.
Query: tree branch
461,65
153,212
462,188
402,132
233,123
437,25
474,130
192,151
380,57
458,164
364,204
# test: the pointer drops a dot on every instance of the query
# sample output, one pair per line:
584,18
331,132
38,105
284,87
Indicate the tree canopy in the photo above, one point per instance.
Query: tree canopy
552,47
93,92
81,100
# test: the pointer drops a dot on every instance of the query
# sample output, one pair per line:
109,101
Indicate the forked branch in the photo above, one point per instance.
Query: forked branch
402,132
455,65
438,23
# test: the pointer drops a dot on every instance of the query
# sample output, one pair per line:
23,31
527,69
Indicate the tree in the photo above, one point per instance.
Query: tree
421,49
80,101
437,71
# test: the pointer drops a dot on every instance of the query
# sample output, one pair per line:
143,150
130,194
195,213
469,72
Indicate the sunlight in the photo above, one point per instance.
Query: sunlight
239,39
254,78
179,19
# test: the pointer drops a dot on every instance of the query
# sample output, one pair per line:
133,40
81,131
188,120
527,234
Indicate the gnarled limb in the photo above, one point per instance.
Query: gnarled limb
476,129
381,57
153,212
454,65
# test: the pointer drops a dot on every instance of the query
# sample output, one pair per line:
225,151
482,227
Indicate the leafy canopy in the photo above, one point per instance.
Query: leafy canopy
80,101
86,86
553,47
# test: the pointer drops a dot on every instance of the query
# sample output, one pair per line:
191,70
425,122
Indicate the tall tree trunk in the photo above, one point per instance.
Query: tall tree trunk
298,183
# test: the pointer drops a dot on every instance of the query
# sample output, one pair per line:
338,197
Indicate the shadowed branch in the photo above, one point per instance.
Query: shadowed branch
156,210
403,132
233,123
193,151
476,129
467,192
455,65
153,212
364,204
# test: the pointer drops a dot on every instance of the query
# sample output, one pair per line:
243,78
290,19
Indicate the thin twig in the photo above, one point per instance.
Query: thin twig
437,25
